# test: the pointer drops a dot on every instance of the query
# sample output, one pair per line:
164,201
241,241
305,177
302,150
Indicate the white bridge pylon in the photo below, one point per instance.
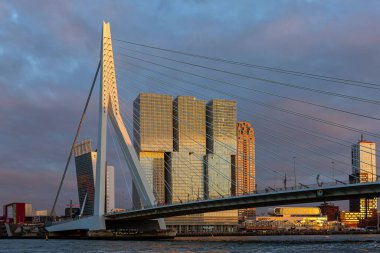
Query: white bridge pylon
109,107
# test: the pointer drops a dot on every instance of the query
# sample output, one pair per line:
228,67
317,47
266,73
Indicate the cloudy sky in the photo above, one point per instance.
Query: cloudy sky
49,52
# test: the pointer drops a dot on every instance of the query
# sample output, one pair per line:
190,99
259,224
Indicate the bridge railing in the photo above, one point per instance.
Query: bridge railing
267,190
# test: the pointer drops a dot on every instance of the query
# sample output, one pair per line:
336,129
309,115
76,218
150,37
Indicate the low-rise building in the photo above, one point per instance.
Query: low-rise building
213,222
290,218
330,210
18,213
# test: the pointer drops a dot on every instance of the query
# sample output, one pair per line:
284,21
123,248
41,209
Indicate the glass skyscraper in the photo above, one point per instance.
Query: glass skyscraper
221,147
153,137
85,164
363,156
174,141
185,165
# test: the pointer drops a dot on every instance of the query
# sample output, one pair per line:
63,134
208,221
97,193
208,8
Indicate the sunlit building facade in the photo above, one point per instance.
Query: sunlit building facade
221,147
243,174
173,144
153,137
189,142
220,158
289,218
363,170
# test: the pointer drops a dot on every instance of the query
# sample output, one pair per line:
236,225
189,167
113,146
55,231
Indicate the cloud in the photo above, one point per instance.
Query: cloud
49,52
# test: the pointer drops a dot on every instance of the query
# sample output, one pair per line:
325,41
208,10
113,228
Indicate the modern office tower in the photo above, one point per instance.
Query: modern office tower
190,148
243,173
153,137
110,189
363,156
185,164
221,147
85,163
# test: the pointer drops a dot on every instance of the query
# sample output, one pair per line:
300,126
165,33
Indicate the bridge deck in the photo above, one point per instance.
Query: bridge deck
342,192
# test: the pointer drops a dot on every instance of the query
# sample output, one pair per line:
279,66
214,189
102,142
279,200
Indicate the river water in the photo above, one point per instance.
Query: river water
307,244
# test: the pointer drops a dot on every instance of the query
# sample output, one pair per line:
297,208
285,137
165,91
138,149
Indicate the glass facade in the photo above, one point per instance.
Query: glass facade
221,147
363,156
186,161
173,139
85,164
153,124
153,137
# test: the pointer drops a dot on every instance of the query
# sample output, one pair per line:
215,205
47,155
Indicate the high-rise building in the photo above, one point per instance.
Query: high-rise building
110,189
220,158
153,137
243,174
363,156
185,164
221,147
85,163
170,138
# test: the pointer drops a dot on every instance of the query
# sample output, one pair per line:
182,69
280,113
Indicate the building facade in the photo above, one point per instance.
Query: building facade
173,142
189,148
85,164
110,189
153,138
289,219
363,155
243,174
221,147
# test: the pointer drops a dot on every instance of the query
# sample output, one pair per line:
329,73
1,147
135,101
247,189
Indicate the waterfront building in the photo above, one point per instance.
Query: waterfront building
350,219
363,154
243,174
330,210
170,138
110,189
185,165
213,222
289,218
85,164
221,147
220,158
17,213
153,138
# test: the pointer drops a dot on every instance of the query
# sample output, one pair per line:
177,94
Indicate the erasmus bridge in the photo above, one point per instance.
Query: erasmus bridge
150,215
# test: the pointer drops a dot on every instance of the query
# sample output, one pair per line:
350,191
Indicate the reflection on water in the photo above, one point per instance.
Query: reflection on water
308,244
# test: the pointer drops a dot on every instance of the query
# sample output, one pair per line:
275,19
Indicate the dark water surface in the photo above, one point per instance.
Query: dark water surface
307,244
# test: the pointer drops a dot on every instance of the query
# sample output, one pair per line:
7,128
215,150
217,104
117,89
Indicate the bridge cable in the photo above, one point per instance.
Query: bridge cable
262,67
282,109
243,110
290,85
330,158
75,139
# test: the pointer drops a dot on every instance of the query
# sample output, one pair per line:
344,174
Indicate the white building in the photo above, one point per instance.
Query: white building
110,189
